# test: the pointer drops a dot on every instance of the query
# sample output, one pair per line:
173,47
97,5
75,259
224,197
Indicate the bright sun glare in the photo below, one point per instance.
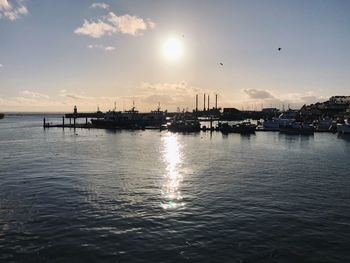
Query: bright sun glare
172,49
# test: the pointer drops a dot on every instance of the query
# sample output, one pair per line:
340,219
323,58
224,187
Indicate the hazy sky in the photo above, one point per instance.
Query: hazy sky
57,54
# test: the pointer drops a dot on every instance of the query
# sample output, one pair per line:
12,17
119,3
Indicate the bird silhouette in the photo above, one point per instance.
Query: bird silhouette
279,49
221,64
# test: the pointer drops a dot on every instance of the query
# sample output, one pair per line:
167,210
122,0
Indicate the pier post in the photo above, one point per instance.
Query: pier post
63,122
74,122
86,121
70,122
44,122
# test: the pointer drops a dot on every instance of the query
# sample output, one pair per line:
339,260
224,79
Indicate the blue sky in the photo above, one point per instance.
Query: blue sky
50,59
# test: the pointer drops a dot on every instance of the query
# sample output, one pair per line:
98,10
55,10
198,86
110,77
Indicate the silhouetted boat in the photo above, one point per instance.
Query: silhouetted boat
183,125
243,128
153,119
130,119
297,128
344,128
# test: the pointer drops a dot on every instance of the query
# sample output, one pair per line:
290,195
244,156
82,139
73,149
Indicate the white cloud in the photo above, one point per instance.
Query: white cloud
12,10
170,95
109,48
34,95
258,94
112,23
65,94
267,98
95,29
102,47
5,5
100,5
127,24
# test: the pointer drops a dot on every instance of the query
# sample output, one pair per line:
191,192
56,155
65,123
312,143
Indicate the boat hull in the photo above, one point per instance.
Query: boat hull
343,128
122,124
297,130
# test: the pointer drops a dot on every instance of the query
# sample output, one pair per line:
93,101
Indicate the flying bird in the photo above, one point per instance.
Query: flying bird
279,49
221,64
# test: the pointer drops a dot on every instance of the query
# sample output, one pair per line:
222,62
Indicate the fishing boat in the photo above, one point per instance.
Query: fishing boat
285,118
2,116
130,119
242,128
297,128
184,125
154,119
271,125
324,125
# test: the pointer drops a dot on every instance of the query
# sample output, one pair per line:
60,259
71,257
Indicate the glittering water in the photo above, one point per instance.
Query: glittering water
150,196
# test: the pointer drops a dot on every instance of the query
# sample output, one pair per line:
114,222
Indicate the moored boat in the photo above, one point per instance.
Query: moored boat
130,119
324,125
154,119
297,128
271,125
242,128
344,128
284,119
183,125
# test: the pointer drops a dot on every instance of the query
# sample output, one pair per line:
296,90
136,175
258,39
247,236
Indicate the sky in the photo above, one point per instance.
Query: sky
57,54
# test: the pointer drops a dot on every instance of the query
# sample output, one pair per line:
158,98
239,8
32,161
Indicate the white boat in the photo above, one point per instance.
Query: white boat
298,128
324,125
284,119
344,128
272,125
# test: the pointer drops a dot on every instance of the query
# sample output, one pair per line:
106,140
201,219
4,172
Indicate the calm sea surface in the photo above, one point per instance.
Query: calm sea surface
150,196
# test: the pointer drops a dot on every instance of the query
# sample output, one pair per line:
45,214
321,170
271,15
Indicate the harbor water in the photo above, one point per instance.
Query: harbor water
148,196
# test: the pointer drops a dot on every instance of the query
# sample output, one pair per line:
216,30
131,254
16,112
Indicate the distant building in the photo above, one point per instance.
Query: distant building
232,114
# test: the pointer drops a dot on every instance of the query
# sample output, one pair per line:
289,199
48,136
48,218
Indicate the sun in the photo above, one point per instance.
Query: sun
172,48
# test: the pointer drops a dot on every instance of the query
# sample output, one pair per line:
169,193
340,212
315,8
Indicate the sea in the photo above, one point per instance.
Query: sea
94,195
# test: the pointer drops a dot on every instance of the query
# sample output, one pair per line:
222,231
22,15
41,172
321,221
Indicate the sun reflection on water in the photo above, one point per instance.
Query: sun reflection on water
172,157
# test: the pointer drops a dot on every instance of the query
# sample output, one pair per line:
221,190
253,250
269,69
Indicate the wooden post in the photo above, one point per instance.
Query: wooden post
44,123
74,122
63,122
86,121
70,122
